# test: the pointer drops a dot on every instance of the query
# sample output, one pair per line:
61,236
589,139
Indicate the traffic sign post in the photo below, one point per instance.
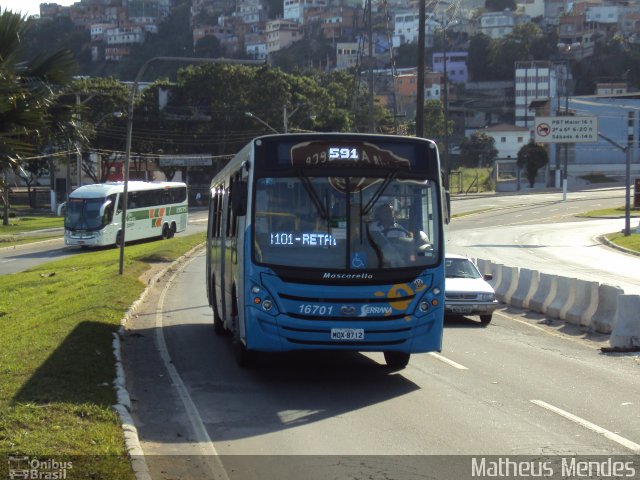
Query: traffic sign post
567,129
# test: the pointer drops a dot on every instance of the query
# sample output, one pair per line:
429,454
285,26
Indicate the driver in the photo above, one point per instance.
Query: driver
385,223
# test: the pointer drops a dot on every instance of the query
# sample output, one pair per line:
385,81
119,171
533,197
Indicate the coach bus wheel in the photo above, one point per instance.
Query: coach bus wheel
166,231
485,319
172,230
119,239
396,360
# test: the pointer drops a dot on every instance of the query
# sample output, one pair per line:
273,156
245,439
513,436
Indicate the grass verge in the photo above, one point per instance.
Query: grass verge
56,362
632,242
617,212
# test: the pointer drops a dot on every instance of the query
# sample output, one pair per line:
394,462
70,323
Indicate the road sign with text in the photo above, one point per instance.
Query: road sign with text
567,129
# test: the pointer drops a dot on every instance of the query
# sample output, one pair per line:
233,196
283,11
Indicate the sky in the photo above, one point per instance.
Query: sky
30,7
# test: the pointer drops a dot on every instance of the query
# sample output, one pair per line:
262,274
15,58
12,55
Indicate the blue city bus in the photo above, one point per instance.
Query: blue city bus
329,241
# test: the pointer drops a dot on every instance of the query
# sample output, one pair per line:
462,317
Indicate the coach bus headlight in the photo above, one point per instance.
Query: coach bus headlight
267,305
255,289
436,291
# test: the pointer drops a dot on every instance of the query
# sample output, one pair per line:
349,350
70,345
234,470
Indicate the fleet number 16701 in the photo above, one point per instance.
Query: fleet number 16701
308,309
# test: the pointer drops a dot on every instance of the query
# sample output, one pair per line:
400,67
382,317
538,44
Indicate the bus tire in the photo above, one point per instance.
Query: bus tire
218,324
166,231
172,230
119,238
244,356
396,360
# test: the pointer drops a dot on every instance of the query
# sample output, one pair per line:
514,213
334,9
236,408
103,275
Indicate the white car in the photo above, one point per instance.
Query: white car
466,289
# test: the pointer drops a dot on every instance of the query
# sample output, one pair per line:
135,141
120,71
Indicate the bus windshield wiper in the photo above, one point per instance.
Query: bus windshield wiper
378,193
314,196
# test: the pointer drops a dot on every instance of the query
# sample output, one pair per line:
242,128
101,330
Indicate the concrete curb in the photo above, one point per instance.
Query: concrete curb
123,407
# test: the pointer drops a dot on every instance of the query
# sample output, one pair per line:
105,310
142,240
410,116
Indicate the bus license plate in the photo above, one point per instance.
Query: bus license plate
347,334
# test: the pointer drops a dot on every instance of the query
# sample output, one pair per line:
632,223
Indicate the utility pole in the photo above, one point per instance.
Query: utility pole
420,79
372,126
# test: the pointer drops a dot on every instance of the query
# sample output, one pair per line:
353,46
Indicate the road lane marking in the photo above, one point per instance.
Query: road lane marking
447,361
202,438
634,447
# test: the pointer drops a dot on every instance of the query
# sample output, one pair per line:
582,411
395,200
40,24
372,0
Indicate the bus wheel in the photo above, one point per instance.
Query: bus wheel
218,324
172,230
396,360
166,231
244,356
119,239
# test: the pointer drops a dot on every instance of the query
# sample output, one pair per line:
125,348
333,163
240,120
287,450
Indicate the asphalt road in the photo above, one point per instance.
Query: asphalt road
23,257
547,235
517,387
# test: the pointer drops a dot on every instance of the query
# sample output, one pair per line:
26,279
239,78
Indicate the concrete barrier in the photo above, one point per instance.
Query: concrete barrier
545,293
508,284
626,326
584,304
604,316
565,295
528,281
496,271
484,266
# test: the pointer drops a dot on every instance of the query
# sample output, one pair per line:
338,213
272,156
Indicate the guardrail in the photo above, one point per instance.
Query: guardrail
600,307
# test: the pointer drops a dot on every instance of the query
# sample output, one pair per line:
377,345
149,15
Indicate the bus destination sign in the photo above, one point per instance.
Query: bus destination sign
341,153
566,129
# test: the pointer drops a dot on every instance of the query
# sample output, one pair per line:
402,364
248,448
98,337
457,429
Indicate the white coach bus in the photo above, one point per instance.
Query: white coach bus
93,213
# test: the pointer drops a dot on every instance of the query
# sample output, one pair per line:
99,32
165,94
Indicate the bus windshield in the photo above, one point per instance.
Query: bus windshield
346,223
83,214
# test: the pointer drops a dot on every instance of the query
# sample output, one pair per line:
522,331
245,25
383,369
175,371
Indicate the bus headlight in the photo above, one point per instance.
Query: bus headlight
255,290
267,305
436,291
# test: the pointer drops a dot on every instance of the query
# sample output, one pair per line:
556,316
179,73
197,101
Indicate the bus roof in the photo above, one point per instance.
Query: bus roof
100,190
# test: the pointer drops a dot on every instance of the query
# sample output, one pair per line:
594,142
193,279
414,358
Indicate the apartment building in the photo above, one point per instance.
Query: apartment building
294,10
457,71
282,33
406,25
538,82
576,37
499,24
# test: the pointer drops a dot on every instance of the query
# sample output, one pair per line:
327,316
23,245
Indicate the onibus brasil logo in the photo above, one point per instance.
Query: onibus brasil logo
34,468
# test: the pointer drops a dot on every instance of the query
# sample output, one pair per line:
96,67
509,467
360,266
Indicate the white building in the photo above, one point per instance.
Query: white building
294,9
500,24
346,55
405,29
509,139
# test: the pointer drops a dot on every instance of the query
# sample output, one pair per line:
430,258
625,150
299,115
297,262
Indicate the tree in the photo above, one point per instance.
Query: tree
478,150
29,88
434,126
532,157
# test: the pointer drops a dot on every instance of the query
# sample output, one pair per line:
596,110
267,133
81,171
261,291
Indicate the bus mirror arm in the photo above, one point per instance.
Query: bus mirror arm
61,208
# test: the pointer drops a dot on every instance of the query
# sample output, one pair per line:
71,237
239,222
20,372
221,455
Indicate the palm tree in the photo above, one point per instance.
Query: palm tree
28,90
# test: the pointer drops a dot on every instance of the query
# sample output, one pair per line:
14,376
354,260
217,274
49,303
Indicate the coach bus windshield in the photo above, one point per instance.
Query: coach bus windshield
348,223
83,214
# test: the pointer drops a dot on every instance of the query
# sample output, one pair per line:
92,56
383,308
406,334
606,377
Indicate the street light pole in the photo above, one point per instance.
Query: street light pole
257,118
132,95
627,202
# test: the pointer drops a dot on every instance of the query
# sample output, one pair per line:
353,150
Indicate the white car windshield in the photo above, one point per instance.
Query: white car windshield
460,268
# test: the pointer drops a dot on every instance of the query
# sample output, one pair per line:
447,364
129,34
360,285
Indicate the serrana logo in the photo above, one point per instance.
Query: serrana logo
367,310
